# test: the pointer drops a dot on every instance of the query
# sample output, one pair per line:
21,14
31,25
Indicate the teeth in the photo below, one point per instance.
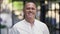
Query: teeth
30,14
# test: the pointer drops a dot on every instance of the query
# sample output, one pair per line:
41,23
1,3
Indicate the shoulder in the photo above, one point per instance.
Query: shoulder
40,23
19,24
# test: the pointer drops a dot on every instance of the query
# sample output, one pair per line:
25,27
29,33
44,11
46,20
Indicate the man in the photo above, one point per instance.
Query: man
29,25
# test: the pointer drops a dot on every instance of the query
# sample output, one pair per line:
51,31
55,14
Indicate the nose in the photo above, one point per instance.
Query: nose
30,10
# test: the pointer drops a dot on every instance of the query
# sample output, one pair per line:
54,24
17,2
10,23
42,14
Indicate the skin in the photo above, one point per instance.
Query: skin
30,12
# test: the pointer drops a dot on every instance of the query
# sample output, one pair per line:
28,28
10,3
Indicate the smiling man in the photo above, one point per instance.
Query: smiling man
29,25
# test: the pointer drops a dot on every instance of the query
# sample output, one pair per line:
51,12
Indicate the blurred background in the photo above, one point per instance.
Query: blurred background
11,12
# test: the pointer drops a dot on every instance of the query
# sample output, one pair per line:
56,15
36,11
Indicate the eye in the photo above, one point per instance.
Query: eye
27,8
33,8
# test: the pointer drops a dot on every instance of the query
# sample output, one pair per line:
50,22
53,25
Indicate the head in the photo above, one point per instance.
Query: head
30,11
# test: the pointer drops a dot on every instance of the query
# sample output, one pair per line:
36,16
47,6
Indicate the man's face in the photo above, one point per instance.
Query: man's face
30,10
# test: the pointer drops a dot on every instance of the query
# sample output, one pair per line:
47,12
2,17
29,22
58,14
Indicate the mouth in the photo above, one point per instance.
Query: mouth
30,15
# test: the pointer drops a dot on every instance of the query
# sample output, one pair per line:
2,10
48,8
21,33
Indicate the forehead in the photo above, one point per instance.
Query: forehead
30,4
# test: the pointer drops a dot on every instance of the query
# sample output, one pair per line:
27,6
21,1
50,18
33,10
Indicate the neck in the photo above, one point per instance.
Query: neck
31,21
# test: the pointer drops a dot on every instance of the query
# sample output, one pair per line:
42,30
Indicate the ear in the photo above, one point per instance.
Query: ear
24,13
23,10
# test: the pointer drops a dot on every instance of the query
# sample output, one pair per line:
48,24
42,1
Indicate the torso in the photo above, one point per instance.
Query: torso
24,28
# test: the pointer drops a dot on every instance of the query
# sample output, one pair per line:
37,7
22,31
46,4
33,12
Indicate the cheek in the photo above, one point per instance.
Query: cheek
34,12
26,12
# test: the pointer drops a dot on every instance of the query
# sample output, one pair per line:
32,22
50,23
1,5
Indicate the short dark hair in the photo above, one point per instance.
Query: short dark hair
29,2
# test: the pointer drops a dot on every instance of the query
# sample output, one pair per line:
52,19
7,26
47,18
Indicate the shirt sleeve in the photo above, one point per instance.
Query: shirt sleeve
45,30
14,31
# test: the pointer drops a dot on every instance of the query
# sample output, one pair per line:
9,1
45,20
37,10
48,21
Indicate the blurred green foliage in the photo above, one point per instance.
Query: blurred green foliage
10,1
2,26
18,5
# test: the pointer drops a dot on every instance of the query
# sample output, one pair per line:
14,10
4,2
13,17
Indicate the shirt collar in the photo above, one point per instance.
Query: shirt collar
26,22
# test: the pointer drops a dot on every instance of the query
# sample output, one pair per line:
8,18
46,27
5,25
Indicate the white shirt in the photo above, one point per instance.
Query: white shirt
23,27
6,19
